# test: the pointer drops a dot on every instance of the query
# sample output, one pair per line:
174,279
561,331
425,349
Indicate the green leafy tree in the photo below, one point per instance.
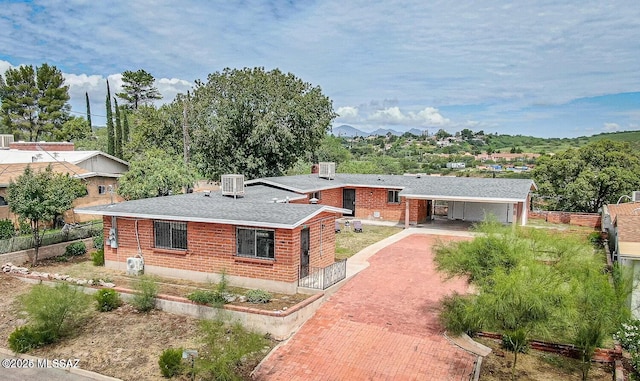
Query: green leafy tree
39,196
256,122
118,131
467,134
156,128
584,179
75,128
442,134
111,142
138,89
34,101
332,149
155,173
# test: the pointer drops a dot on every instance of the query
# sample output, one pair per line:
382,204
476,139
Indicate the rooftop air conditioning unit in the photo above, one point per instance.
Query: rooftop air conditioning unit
635,196
135,266
327,170
5,140
232,185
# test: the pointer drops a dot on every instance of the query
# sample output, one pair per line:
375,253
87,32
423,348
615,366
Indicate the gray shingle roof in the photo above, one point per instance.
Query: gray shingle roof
251,210
434,187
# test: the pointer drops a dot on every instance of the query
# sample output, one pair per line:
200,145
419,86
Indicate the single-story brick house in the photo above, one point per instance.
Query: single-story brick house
280,227
411,199
622,224
262,239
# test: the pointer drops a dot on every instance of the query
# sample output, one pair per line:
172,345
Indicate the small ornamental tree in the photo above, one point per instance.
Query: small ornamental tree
39,196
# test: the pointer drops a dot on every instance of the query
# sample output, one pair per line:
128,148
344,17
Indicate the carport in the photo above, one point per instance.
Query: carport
507,199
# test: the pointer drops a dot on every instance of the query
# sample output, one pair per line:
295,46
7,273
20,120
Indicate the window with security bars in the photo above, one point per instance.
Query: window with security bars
170,235
393,197
255,243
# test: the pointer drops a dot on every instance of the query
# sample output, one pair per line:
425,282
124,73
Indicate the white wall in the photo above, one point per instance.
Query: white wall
477,211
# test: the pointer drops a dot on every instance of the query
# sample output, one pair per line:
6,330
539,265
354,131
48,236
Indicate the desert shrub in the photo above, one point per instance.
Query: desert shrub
25,338
227,349
629,336
97,257
216,297
55,311
75,249
146,290
108,299
98,241
7,230
258,296
595,238
170,362
202,296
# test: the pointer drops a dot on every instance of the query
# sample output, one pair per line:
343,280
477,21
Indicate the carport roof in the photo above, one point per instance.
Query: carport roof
414,187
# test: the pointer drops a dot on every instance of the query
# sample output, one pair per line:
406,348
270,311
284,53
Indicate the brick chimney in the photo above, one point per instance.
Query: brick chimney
315,168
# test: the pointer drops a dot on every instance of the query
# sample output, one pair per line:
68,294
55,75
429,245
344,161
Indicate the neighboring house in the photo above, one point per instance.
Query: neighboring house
622,223
93,161
411,199
258,239
101,187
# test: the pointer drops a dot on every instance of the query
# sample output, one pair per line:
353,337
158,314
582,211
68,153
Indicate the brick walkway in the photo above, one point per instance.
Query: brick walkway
381,325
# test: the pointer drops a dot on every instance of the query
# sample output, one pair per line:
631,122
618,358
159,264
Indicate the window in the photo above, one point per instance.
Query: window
393,197
102,189
255,243
316,195
170,235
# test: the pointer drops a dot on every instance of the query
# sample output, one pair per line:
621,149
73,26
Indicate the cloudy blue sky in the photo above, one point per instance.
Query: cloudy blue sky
538,67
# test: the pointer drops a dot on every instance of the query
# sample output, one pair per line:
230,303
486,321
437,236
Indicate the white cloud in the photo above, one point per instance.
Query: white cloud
611,127
347,113
429,116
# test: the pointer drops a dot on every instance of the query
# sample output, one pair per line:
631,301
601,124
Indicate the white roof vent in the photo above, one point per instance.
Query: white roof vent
327,170
635,196
232,185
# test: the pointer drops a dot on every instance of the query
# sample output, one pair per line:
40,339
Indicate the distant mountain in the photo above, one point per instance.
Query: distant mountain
384,131
347,131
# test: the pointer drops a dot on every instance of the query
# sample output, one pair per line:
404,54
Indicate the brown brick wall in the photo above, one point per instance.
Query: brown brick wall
593,220
212,248
370,200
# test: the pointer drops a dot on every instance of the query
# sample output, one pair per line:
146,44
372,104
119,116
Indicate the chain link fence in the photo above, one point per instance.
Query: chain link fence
67,233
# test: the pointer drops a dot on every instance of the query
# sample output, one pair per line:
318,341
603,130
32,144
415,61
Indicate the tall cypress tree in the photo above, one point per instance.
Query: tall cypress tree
110,136
125,126
86,96
118,134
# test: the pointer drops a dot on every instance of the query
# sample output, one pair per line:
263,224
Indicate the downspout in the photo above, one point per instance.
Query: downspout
406,213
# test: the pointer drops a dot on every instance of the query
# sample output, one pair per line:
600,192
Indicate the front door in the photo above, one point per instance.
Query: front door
304,252
349,200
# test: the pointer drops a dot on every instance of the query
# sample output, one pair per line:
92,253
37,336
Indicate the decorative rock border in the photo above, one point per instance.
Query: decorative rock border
23,271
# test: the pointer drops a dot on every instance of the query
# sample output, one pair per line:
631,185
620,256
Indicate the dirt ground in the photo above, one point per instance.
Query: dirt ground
536,366
123,343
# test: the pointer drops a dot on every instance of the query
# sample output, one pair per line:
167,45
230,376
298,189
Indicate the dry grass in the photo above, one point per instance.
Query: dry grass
349,243
536,366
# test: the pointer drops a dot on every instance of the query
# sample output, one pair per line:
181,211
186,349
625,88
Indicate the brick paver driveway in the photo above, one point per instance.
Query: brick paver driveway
381,325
